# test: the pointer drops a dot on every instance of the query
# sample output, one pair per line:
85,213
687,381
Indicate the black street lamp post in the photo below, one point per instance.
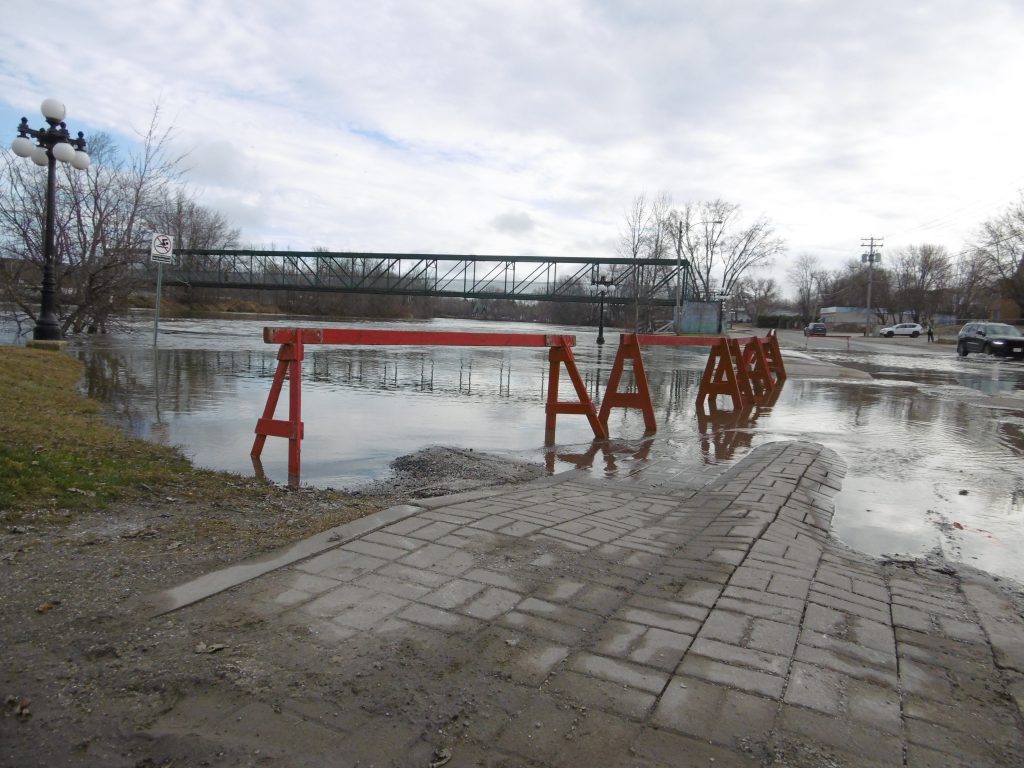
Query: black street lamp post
605,284
52,143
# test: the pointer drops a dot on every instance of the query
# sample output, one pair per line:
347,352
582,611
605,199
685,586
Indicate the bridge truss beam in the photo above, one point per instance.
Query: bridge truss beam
522,278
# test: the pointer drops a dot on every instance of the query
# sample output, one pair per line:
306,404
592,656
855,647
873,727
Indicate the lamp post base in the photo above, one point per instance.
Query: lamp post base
53,345
47,331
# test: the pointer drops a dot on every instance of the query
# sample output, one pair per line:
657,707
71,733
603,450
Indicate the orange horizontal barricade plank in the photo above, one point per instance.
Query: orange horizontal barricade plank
649,340
377,338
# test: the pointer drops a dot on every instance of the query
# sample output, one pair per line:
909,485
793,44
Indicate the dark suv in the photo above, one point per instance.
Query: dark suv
815,329
999,339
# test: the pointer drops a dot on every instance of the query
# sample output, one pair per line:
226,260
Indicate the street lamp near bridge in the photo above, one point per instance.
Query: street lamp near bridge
46,146
605,284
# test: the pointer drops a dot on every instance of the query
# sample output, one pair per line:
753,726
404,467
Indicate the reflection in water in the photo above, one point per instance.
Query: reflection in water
921,456
722,433
612,453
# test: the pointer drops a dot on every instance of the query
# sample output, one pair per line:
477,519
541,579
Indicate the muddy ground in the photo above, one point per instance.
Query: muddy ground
82,674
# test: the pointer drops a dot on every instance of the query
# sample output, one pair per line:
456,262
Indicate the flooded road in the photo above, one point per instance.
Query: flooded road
931,463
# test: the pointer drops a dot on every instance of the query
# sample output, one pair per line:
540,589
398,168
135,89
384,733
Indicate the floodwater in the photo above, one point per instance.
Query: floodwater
928,466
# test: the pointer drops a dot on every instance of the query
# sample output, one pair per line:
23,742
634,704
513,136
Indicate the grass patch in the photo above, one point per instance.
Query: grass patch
58,453
55,449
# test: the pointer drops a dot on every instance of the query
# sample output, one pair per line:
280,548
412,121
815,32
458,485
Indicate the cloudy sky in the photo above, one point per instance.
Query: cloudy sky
527,127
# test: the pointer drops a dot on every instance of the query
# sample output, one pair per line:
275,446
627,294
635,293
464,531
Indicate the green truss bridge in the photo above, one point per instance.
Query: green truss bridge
522,278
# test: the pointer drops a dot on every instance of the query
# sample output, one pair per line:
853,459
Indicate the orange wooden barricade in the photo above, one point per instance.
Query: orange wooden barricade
748,371
289,367
629,349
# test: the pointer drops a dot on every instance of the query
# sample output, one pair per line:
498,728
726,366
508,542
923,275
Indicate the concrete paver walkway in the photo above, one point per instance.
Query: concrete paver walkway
652,620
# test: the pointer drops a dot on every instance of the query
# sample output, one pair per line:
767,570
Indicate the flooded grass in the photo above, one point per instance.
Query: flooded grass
59,457
56,451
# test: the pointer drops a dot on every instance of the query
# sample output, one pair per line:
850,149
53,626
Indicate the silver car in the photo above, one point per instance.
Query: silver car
913,330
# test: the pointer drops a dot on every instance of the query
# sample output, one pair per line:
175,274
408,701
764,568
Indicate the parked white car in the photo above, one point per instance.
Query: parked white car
902,329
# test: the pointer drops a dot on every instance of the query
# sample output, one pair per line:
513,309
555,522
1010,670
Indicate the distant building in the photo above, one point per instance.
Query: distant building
836,316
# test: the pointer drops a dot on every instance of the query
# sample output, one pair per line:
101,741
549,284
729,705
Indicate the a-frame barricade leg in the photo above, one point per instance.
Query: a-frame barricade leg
773,356
719,378
289,365
755,364
742,374
629,349
560,354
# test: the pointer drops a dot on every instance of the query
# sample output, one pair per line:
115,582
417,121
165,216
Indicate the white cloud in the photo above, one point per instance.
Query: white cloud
527,127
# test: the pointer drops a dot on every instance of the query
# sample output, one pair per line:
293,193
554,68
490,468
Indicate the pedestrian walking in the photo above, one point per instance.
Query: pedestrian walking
931,335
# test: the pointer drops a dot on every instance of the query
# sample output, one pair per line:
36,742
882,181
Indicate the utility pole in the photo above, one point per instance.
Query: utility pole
871,243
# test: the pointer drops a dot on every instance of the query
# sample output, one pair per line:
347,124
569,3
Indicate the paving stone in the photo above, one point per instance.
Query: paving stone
773,637
789,586
452,594
493,522
660,648
711,670
825,625
734,654
595,693
425,578
814,687
617,671
370,612
851,660
491,603
340,564
403,527
843,734
560,591
435,617
329,604
754,608
561,613
972,745
557,632
364,547
495,579
599,599
848,603
924,646
675,607
509,654
992,722
661,620
714,713
919,756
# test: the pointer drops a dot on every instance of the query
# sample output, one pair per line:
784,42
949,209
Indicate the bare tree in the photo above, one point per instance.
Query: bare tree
633,241
104,217
970,284
804,275
722,248
757,295
175,212
920,274
1001,244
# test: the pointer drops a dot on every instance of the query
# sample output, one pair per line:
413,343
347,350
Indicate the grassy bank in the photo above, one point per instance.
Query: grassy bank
60,459
56,452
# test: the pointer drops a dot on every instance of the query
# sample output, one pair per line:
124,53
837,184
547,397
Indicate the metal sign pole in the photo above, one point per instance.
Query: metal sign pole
160,252
156,314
